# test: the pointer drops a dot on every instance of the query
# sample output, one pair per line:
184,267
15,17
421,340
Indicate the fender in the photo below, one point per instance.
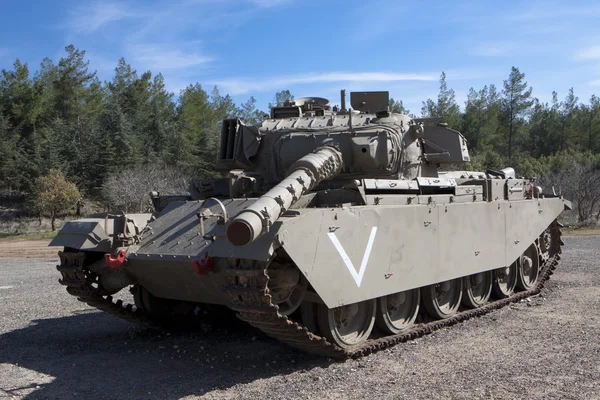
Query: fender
99,232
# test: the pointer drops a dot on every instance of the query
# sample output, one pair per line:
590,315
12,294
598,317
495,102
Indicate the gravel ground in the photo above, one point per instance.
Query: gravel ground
52,346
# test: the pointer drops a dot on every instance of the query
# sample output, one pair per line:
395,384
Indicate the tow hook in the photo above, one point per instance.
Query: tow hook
116,261
203,266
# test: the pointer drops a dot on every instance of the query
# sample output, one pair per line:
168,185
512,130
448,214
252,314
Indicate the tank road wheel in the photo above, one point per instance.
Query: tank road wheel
287,287
477,289
397,312
528,269
443,299
347,326
546,240
505,280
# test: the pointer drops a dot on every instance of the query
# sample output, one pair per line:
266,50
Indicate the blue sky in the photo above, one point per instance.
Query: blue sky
256,47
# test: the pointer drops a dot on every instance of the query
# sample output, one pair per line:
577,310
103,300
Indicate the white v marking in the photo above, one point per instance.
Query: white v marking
358,276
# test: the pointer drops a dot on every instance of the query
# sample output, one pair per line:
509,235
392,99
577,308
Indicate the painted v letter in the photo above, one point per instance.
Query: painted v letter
358,276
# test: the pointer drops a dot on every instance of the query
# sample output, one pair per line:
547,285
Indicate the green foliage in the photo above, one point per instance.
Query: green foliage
516,102
250,114
54,194
445,107
396,106
64,118
280,98
481,119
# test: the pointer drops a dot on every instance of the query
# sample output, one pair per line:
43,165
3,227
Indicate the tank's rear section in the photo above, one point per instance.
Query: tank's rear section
334,231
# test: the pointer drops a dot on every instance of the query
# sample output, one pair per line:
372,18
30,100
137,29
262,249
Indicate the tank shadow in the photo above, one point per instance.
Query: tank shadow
97,356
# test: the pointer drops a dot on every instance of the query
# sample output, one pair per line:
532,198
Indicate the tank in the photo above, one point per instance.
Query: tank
338,231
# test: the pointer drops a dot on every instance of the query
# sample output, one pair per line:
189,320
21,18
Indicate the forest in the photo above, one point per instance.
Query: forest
103,136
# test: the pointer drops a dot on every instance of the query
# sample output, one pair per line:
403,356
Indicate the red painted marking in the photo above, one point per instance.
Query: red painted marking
117,261
203,266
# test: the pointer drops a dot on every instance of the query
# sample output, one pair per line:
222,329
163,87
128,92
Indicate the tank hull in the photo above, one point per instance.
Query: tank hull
347,254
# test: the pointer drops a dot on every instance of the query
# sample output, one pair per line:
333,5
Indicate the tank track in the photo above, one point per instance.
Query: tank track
80,283
249,295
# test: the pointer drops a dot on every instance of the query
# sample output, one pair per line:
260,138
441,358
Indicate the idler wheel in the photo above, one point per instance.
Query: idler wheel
528,270
477,289
442,299
347,326
396,313
505,281
287,287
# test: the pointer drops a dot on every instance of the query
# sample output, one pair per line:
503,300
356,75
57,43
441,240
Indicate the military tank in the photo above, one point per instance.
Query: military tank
338,231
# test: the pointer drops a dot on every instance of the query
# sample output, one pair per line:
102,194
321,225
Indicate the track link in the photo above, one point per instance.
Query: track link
249,295
80,284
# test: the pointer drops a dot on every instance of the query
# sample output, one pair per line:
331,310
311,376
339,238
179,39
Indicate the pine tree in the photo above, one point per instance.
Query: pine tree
445,107
280,98
71,84
590,114
480,120
567,109
516,103
396,106
161,121
19,100
250,114
10,159
194,120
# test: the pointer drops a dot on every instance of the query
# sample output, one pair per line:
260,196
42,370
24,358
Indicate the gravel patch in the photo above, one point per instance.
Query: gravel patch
52,346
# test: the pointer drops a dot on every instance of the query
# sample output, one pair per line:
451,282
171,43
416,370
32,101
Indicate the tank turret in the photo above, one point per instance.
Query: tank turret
304,138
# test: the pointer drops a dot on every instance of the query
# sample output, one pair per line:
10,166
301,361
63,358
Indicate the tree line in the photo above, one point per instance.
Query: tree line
62,117
511,127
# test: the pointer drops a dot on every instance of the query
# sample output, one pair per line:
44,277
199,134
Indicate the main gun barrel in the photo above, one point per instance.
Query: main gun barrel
306,173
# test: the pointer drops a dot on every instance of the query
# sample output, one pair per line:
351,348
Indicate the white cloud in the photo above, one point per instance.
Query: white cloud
493,49
91,18
155,35
590,53
101,63
164,57
241,86
594,83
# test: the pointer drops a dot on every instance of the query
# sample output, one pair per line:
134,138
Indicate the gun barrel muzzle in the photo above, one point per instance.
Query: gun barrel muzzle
306,173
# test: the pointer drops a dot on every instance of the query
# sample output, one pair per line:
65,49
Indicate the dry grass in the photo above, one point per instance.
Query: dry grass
29,228
583,231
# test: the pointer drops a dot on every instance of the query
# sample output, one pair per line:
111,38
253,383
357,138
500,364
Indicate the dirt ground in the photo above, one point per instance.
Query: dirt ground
52,346
16,248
